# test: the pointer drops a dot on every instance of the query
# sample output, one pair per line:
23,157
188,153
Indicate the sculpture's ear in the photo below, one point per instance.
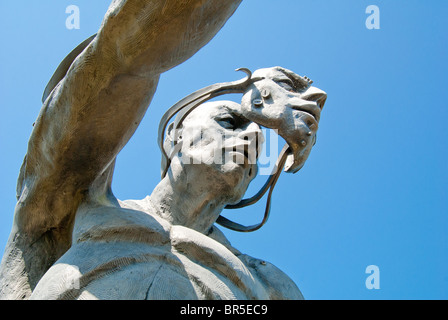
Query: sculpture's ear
168,144
169,138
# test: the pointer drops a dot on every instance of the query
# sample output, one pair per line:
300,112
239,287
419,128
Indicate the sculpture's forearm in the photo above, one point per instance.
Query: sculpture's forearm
156,35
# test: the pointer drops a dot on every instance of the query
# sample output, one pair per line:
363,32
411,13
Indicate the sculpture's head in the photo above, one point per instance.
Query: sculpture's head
215,141
287,102
217,147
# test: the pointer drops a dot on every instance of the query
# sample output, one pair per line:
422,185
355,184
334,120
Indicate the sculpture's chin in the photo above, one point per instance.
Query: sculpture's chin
296,161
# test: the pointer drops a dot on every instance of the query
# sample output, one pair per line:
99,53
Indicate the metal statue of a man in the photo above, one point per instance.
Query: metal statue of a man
72,239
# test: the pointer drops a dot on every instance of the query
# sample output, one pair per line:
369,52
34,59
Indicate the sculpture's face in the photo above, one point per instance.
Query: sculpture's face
288,103
222,146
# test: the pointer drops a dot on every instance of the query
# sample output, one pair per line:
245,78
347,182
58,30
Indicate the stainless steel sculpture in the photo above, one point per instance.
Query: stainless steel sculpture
72,239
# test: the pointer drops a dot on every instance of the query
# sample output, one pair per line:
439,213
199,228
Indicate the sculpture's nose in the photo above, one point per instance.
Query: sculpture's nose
255,130
254,136
316,95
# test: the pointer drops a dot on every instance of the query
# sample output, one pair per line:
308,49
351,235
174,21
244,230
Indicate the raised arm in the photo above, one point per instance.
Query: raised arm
90,116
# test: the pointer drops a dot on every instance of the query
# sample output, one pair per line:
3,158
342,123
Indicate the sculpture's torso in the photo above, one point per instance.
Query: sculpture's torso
120,253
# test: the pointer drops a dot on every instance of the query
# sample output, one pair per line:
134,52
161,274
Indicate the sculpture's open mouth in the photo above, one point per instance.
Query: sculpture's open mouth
239,157
310,109
243,153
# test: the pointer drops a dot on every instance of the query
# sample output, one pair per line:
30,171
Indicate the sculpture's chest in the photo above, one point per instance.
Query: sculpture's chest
137,261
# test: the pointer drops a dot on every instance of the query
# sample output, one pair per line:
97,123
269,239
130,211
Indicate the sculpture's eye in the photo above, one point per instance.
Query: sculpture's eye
232,121
228,122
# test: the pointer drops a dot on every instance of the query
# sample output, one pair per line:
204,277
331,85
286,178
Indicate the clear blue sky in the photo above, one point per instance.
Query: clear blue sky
374,191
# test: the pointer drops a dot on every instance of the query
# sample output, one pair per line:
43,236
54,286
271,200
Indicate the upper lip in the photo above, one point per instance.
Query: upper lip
310,108
243,148
243,152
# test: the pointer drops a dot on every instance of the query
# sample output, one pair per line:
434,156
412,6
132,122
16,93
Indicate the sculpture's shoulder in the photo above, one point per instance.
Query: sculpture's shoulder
128,222
278,284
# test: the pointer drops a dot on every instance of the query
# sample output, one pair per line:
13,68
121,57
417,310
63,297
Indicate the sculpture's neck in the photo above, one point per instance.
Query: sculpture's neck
188,207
